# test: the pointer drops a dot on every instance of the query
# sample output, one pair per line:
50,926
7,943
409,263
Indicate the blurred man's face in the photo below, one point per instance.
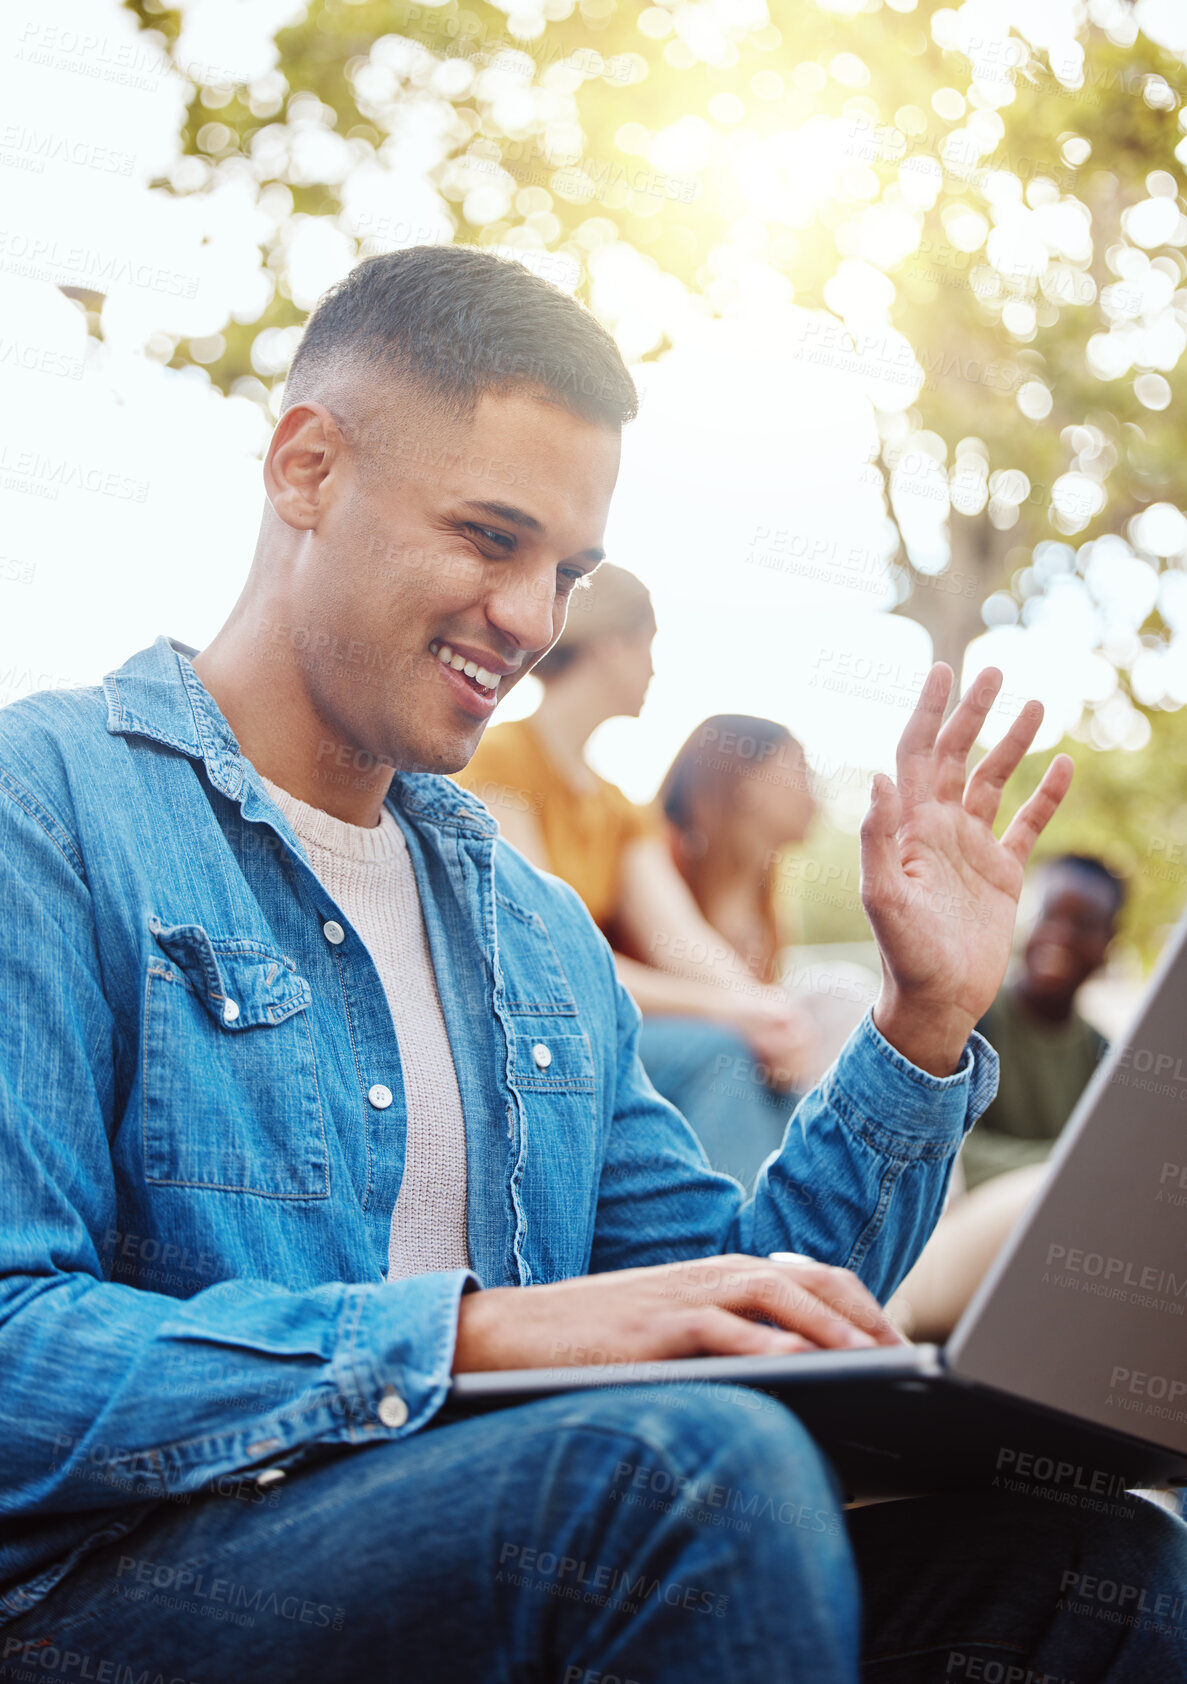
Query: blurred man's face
1071,934
439,567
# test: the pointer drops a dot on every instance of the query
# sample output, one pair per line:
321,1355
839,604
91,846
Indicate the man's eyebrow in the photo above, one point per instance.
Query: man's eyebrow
507,512
525,521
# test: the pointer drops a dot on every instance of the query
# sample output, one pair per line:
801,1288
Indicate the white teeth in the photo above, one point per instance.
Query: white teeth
481,675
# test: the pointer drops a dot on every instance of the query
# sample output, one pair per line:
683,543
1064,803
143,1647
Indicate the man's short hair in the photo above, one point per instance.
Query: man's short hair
1093,867
458,322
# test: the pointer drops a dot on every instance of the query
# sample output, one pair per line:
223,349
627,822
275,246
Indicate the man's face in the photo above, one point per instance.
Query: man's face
435,539
1071,933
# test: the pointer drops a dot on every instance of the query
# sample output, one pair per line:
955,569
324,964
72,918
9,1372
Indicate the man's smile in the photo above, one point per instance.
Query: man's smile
474,685
481,676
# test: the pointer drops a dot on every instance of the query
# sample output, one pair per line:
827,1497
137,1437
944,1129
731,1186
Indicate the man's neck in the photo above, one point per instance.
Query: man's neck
269,710
1047,1009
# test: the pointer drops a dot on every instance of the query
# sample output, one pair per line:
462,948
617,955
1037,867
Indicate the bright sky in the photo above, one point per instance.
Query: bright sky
130,494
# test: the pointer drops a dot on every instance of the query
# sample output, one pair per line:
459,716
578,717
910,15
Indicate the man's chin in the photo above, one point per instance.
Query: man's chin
1053,990
448,753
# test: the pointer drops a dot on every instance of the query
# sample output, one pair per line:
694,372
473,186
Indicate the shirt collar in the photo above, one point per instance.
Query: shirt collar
157,694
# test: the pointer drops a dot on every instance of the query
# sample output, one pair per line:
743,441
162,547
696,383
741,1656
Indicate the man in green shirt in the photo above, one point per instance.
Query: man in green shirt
1047,1050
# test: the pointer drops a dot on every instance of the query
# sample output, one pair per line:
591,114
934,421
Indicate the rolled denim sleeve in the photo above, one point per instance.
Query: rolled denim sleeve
859,1180
867,1158
110,1394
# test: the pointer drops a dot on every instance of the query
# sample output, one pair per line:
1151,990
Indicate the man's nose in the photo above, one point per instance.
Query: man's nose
523,609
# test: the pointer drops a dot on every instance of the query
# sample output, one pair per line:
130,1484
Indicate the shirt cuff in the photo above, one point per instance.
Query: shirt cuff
403,1352
901,1109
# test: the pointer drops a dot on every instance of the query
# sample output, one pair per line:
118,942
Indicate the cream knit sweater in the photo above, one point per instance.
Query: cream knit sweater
368,872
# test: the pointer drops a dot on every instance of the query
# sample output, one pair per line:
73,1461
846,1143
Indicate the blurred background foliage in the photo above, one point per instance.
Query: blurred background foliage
987,200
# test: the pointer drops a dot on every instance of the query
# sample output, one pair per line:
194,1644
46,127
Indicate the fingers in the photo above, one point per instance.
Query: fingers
714,1332
784,1050
983,795
848,1297
881,862
960,733
782,1036
915,747
1032,817
827,1305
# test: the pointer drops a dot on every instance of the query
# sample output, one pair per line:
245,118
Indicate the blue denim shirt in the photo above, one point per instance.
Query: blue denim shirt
197,1190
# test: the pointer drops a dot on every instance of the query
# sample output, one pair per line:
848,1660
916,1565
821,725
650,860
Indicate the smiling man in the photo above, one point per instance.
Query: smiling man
1047,1052
437,486
313,1092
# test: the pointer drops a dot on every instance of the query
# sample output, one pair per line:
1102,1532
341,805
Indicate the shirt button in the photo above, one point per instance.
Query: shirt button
380,1096
541,1055
393,1411
270,1476
333,931
230,1011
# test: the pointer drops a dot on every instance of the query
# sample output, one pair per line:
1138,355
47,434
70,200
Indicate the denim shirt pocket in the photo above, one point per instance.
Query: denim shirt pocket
552,1071
545,1062
231,1100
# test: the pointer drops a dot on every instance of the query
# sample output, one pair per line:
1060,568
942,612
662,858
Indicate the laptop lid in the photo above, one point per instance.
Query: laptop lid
1085,1310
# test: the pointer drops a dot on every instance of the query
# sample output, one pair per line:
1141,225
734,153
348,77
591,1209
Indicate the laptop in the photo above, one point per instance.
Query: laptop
1067,1374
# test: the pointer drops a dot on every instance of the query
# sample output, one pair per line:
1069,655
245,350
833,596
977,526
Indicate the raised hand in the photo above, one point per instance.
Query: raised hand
940,891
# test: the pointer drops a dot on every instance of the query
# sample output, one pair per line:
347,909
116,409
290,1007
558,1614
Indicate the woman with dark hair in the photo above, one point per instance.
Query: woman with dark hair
736,794
682,968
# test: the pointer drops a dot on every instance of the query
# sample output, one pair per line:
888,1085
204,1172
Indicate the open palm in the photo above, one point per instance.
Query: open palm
940,891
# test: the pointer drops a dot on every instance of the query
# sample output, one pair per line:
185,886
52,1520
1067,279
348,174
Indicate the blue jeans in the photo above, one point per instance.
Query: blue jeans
664,1536
711,1076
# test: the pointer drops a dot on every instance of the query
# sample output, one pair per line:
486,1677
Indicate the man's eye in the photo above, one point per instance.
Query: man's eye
500,540
571,577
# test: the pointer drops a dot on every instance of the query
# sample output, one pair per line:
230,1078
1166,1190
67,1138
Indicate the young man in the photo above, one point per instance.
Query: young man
1046,1051
314,1093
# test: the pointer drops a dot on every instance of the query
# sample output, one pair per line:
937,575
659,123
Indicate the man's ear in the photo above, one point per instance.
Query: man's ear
306,448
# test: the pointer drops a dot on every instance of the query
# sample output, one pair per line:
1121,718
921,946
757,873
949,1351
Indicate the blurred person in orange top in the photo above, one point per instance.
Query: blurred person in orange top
556,810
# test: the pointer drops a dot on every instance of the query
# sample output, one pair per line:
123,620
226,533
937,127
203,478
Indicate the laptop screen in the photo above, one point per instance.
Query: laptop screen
1086,1308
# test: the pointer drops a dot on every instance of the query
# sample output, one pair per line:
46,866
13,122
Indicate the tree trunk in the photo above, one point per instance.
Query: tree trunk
948,605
